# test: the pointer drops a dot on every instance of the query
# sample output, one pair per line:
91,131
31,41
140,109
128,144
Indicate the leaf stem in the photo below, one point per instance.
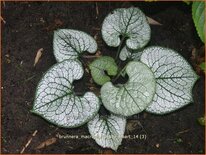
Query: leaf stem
120,73
90,56
119,48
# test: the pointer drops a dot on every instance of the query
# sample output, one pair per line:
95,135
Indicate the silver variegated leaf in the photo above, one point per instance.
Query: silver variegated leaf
126,22
55,98
126,53
174,76
107,132
134,96
69,44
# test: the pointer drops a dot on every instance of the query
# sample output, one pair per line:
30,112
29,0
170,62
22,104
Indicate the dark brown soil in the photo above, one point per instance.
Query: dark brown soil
30,26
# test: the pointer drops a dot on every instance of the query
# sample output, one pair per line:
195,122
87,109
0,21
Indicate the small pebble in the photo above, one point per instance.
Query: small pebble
157,145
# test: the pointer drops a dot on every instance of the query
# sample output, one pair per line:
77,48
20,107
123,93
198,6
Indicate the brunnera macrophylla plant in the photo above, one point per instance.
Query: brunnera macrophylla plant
160,80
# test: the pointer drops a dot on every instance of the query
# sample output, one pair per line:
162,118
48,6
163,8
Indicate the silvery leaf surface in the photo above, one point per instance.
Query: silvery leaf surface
132,97
174,76
107,132
55,98
126,53
70,44
126,22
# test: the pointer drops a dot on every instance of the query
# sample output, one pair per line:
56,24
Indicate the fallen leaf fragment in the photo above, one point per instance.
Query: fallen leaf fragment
8,60
38,56
152,21
98,54
47,143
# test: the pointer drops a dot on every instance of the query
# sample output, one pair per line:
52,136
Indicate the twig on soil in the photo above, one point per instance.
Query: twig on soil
97,10
19,68
30,78
184,131
28,142
2,19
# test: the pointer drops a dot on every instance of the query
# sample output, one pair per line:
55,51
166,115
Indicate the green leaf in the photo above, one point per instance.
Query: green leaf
99,66
70,44
127,22
201,121
131,54
198,15
55,98
174,77
202,66
134,96
107,132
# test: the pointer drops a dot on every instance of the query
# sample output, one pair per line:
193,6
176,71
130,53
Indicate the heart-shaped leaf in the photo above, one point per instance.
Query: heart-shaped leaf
134,96
100,67
55,98
107,132
131,54
198,15
126,22
174,76
69,44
